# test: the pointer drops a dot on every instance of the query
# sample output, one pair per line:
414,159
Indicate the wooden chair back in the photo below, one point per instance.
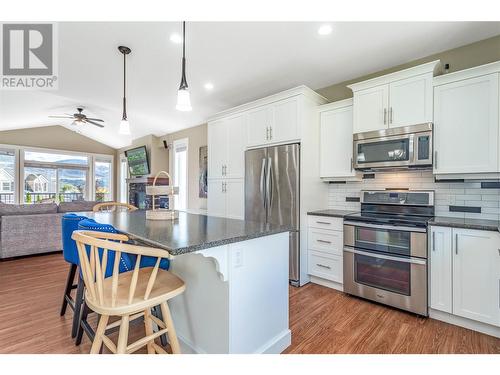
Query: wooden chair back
113,206
94,262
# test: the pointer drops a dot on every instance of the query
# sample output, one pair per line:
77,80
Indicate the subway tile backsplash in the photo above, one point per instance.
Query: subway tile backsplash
460,193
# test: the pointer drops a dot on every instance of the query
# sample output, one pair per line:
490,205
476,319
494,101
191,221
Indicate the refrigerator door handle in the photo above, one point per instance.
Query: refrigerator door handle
269,176
262,179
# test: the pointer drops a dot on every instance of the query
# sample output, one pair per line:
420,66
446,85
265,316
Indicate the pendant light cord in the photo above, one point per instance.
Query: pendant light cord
183,85
124,117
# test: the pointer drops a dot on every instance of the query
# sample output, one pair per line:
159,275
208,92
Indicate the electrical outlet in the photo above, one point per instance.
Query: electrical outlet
238,258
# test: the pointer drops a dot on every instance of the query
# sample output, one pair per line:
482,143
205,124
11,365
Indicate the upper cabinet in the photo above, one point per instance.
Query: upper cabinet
226,146
397,99
466,121
336,150
274,123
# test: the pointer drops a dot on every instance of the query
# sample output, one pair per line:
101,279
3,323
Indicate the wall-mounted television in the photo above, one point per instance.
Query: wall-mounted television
138,163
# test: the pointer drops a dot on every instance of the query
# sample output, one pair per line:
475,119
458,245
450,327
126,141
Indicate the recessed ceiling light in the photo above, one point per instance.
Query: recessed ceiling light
325,30
176,38
208,86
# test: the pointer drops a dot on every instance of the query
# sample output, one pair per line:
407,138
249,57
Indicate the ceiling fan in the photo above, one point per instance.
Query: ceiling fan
80,118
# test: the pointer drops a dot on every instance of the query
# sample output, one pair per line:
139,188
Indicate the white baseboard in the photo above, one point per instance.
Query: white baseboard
278,344
487,329
327,283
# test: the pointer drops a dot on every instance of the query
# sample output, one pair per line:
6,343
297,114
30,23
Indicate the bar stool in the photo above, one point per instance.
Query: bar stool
69,223
130,294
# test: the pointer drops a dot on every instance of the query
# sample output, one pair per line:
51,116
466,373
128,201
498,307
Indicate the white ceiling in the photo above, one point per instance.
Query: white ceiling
244,61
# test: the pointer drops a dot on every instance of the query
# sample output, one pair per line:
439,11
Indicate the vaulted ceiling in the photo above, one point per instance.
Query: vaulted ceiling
243,60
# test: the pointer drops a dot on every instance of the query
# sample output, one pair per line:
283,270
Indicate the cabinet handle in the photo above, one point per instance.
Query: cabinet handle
435,160
267,133
225,170
323,266
390,115
433,241
385,115
456,243
271,133
222,187
352,165
323,222
323,241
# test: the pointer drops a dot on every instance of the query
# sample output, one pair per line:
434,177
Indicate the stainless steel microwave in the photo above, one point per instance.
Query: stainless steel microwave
407,147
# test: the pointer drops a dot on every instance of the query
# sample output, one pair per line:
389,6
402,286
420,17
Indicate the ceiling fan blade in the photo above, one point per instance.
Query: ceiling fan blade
95,119
61,116
94,123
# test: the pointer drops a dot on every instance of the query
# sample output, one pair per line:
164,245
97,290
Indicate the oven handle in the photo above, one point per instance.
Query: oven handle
397,259
390,227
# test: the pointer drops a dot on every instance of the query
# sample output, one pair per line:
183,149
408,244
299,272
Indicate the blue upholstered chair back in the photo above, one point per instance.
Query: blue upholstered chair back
69,223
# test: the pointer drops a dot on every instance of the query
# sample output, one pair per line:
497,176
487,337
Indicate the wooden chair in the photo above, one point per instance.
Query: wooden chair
112,206
128,295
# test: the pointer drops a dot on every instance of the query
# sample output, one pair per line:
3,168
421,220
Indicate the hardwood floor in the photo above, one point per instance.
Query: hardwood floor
322,320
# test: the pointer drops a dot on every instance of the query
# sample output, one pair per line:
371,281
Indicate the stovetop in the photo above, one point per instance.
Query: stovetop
389,219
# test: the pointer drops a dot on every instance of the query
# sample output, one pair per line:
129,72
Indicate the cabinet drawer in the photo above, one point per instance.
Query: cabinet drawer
325,222
326,267
328,241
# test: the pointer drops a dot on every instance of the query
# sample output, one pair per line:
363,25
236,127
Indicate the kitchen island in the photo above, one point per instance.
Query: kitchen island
236,275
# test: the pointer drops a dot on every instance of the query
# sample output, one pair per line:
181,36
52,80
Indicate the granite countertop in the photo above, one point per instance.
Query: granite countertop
332,213
189,233
480,224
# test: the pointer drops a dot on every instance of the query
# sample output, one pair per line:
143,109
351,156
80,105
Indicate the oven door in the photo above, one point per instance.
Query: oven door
394,240
395,281
384,152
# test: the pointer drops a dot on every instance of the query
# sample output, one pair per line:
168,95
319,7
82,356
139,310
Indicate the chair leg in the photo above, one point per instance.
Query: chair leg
172,336
78,306
101,330
148,325
83,317
159,315
69,286
121,348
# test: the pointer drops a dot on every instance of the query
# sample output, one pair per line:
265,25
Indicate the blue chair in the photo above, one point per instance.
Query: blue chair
69,223
127,263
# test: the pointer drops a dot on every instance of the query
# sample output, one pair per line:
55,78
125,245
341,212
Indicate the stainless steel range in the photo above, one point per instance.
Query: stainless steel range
385,248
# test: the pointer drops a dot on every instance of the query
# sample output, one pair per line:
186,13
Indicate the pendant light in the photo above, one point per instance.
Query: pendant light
183,99
124,125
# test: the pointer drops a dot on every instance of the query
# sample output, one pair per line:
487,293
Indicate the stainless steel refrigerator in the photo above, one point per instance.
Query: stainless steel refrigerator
272,176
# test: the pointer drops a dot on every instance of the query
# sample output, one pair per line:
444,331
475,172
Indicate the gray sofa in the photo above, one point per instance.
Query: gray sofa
27,229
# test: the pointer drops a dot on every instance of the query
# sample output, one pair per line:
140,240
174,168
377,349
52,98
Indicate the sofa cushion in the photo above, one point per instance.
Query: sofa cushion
77,206
27,209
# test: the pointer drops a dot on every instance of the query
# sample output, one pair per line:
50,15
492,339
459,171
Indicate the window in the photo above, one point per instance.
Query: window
103,171
180,173
123,179
7,176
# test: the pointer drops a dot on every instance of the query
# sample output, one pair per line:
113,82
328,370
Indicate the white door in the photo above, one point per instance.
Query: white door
217,148
235,159
476,275
181,173
336,143
216,204
235,199
285,127
466,126
258,125
440,259
370,109
410,101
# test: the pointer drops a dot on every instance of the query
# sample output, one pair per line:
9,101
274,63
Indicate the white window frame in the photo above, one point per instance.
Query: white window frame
90,168
122,179
183,142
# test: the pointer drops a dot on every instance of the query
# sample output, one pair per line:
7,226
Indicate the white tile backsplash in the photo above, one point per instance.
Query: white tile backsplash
446,193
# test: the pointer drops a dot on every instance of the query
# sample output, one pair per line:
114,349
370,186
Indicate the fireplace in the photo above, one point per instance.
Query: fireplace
137,193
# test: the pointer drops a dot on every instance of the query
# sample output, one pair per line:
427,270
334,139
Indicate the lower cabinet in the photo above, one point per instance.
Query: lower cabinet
325,239
226,198
465,273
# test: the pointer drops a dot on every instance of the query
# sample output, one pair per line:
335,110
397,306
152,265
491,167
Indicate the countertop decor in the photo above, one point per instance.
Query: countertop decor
154,190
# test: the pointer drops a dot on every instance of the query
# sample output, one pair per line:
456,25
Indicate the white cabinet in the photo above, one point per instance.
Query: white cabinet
226,146
466,126
325,239
371,109
274,123
476,275
465,273
226,198
410,101
398,99
440,268
336,150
